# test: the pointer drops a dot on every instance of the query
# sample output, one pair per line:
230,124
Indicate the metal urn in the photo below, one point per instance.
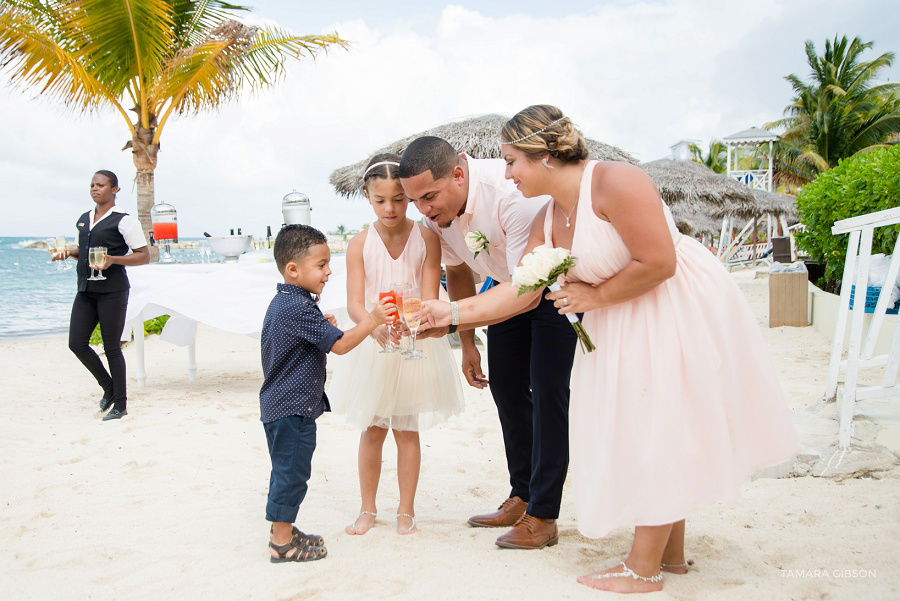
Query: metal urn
295,209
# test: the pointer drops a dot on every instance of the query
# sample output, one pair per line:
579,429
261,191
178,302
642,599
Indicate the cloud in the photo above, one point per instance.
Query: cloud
640,75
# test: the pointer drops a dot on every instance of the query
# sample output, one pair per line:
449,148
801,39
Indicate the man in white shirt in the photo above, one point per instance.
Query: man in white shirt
529,355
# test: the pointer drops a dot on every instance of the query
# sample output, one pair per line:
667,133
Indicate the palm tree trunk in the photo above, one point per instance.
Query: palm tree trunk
145,199
144,155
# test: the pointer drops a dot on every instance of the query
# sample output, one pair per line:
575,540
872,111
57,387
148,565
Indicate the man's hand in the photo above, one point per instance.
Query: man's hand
436,332
471,367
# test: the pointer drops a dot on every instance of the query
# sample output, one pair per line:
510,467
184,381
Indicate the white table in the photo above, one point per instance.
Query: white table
231,297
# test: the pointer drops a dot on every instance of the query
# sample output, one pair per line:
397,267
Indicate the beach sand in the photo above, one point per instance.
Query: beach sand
169,502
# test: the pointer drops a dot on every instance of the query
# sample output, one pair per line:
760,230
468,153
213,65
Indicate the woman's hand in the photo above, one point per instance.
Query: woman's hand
575,297
106,263
331,319
381,335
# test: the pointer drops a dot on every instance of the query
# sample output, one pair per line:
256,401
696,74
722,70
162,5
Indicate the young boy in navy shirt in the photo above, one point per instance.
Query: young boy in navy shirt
296,337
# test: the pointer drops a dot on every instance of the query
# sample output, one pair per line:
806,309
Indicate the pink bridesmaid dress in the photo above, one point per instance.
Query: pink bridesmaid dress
383,389
679,404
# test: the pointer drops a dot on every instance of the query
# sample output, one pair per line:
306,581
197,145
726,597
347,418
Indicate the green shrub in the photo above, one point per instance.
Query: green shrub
856,186
151,326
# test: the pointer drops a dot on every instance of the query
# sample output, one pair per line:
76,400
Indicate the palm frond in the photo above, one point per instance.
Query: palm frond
126,40
32,57
193,19
234,57
263,61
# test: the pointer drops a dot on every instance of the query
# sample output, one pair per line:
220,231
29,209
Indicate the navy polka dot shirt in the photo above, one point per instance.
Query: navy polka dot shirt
296,338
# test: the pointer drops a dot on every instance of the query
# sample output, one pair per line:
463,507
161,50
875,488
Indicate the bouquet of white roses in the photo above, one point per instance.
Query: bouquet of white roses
540,269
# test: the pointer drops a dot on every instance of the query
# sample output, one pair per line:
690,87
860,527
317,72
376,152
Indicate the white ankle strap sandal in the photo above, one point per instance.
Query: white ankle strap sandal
629,573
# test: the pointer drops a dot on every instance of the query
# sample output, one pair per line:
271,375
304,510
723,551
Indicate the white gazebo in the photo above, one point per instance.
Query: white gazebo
758,179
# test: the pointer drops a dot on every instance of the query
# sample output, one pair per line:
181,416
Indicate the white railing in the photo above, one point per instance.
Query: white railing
862,343
758,179
749,252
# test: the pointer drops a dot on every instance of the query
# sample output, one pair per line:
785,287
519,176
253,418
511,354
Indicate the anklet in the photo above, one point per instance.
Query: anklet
629,573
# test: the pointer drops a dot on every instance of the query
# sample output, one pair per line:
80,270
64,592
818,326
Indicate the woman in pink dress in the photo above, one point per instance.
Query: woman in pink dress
379,391
679,404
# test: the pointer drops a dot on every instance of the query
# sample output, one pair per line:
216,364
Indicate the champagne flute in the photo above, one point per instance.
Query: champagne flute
96,258
400,289
412,304
203,246
390,294
51,244
60,250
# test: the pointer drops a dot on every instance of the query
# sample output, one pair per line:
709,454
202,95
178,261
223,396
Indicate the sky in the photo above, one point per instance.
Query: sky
640,75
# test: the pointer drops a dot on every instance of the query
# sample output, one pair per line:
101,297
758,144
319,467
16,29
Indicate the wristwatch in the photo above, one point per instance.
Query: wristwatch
454,316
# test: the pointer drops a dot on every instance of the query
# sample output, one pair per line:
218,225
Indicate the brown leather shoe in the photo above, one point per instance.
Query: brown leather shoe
530,533
506,515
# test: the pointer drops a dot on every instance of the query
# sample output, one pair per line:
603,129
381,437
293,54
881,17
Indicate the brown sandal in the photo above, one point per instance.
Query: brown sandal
313,540
302,551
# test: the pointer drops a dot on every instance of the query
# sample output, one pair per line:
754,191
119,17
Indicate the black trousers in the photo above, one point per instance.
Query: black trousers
107,309
530,361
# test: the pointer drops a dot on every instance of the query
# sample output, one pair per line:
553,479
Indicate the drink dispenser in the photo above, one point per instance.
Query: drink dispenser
295,208
164,220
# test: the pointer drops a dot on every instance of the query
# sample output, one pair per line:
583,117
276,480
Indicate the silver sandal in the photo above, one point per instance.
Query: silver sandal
362,513
629,573
412,519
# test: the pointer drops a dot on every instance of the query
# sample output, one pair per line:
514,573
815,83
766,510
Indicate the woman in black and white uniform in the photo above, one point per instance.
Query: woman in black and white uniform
105,301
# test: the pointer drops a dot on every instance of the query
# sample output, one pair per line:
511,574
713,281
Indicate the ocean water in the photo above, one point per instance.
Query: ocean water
36,298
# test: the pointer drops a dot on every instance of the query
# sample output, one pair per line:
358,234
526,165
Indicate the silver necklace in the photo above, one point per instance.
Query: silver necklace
568,223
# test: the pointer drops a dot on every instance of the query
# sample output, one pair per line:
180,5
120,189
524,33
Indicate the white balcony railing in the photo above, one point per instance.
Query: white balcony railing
758,179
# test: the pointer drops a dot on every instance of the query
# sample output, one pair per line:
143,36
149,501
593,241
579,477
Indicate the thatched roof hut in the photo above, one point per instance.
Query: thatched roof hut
478,137
696,189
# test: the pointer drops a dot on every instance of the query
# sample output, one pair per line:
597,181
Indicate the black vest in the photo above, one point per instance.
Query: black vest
105,233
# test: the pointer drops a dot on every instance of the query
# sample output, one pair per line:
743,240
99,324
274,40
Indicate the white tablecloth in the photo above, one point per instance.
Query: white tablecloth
231,297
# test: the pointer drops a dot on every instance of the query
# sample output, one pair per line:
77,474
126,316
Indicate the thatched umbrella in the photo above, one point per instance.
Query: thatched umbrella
776,204
696,224
478,137
697,189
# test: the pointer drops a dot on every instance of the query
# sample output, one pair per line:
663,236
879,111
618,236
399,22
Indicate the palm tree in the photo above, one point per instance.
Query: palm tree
838,113
716,158
158,58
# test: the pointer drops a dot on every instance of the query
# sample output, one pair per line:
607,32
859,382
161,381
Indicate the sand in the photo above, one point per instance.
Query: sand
168,503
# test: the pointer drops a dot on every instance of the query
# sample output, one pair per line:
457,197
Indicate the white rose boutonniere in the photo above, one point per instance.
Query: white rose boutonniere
477,242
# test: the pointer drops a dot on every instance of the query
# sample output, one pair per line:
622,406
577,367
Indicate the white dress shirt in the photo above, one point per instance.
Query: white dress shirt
129,227
497,209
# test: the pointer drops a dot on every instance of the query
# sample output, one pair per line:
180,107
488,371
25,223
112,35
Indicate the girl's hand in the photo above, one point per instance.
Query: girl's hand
381,335
575,297
331,319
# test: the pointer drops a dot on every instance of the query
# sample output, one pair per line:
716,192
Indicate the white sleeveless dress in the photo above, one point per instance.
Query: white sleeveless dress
383,389
679,404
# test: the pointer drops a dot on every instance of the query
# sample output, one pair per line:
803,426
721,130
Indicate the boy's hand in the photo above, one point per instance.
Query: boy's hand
384,311
331,319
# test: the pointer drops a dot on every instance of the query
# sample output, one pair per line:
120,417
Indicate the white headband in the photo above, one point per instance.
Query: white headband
534,133
378,164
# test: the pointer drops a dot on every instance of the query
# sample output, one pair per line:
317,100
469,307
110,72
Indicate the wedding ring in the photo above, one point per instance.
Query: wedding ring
565,302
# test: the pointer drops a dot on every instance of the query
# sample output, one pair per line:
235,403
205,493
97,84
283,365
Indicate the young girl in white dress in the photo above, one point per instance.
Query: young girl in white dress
380,391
